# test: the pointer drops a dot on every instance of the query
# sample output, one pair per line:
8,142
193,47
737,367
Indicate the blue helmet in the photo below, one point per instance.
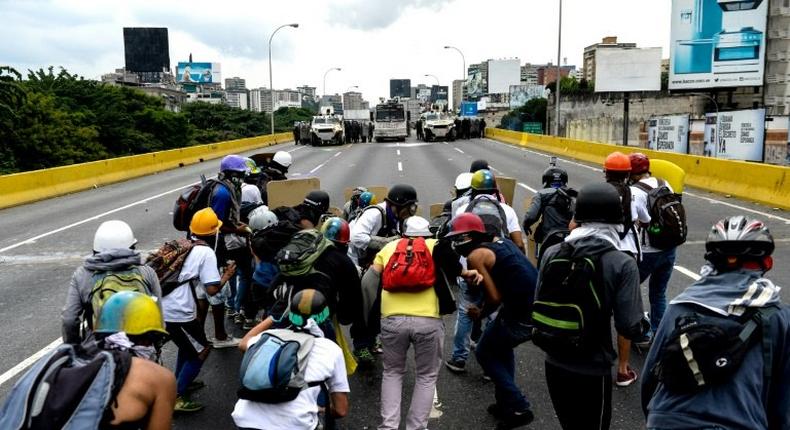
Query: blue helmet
233,163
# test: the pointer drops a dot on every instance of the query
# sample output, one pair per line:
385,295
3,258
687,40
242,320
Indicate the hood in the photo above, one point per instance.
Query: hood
731,293
603,232
113,259
589,245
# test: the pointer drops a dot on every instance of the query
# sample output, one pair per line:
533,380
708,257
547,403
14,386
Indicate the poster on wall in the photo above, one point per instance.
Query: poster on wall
717,43
669,133
735,135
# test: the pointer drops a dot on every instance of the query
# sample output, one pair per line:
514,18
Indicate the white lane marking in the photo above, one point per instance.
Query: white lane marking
708,199
400,166
93,218
294,150
337,154
688,273
24,364
398,151
523,185
462,152
445,143
315,169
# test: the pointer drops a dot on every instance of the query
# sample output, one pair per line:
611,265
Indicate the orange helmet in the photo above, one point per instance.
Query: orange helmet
617,162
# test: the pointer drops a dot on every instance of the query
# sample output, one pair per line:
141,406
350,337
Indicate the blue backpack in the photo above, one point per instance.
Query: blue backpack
71,388
273,369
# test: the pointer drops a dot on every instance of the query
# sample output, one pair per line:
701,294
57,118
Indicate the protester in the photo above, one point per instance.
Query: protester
553,205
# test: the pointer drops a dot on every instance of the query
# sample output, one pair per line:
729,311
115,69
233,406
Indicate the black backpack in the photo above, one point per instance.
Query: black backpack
706,349
568,314
668,227
490,211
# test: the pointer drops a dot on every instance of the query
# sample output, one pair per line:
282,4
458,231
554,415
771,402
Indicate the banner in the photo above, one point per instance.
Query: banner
736,135
717,43
199,73
668,133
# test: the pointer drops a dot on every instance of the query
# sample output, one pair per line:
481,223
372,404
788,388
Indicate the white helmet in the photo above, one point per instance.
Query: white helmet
463,181
283,158
417,226
113,234
261,218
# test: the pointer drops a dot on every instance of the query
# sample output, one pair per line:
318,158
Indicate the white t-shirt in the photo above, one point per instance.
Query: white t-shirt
179,305
640,199
250,193
511,219
325,363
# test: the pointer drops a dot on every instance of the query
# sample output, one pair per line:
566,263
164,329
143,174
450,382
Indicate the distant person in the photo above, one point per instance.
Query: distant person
482,127
553,206
275,170
296,133
420,132
371,128
466,126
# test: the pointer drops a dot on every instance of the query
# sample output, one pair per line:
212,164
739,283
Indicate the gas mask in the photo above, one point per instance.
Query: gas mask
464,246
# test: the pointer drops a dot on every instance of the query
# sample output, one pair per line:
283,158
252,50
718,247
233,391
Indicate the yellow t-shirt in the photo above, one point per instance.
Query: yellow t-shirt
420,304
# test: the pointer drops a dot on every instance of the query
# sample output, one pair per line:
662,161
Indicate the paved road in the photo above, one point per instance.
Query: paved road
43,242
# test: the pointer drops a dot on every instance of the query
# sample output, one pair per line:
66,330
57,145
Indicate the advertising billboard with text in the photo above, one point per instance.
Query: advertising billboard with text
736,135
198,73
668,133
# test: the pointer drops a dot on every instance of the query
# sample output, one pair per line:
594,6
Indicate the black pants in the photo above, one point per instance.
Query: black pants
582,402
364,335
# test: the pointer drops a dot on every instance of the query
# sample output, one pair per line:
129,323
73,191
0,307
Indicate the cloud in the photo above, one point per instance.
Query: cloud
373,15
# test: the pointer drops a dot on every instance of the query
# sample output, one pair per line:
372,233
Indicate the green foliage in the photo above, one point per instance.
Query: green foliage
570,86
534,110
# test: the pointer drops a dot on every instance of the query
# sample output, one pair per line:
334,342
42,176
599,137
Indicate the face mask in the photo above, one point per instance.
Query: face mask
463,248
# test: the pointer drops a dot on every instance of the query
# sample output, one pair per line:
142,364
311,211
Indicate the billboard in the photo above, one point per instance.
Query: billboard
400,88
668,133
735,135
439,92
475,84
521,94
146,49
502,74
198,73
627,69
717,43
468,108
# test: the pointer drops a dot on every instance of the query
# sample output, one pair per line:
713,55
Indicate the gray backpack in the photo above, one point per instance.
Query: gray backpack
490,211
71,388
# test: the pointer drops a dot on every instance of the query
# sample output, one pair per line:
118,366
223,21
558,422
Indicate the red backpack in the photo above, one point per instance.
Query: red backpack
410,268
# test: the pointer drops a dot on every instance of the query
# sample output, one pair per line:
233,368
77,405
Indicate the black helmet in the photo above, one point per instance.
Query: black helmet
317,199
554,175
478,165
402,195
599,202
738,238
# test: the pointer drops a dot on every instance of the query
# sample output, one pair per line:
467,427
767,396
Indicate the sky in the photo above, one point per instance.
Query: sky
372,41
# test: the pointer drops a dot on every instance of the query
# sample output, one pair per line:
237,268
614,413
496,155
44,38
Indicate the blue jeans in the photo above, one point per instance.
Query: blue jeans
463,324
658,266
495,354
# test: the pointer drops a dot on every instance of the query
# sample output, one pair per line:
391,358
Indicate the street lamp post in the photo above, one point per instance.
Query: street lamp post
271,87
559,75
463,72
433,76
325,73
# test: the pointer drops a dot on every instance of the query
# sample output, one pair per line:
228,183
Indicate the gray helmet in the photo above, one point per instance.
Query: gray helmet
738,238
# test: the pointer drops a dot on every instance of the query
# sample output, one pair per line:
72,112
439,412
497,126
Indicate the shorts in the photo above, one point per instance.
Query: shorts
216,299
189,337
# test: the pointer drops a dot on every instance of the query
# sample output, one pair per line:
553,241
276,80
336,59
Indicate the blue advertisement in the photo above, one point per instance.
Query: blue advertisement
717,43
201,73
468,108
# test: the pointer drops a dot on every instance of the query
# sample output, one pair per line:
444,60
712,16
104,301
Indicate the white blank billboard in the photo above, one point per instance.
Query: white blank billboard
502,74
627,69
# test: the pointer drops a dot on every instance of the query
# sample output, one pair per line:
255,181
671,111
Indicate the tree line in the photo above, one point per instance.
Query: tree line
51,119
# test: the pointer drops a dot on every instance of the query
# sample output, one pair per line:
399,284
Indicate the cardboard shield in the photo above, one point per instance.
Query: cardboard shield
436,210
290,192
506,186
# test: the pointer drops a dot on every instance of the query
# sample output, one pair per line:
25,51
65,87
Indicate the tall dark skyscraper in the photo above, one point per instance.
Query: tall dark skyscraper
400,88
147,52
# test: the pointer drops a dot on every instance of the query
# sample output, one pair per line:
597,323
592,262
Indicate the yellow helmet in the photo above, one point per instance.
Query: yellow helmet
205,223
130,312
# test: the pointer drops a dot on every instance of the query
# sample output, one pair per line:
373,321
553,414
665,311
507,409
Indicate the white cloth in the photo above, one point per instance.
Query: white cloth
639,197
250,193
324,363
179,306
511,218
608,232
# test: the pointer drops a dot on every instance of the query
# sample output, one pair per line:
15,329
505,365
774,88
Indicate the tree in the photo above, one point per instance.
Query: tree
534,110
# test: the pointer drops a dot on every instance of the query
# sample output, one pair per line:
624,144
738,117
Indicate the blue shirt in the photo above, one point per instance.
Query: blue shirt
221,201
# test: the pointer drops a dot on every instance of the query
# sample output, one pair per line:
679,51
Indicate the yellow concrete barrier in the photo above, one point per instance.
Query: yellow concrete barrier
763,183
27,187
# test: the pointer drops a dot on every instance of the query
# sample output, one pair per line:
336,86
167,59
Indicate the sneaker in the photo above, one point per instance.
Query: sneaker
515,419
229,312
195,385
249,324
486,378
230,342
186,405
238,319
626,379
496,411
364,356
472,345
456,366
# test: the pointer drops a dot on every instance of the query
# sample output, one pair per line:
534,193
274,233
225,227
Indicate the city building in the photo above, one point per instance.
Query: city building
121,77
529,74
777,68
477,80
458,94
237,99
287,98
147,53
400,88
352,100
257,98
548,73
212,97
235,84
307,91
335,101
589,54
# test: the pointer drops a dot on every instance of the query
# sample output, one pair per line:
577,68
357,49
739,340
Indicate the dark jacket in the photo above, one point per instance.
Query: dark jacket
621,298
545,204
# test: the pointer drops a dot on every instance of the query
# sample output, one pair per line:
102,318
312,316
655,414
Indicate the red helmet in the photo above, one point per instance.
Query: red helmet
617,162
337,230
466,223
639,163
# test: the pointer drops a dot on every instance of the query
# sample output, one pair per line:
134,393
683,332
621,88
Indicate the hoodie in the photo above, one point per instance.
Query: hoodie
78,296
744,402
621,297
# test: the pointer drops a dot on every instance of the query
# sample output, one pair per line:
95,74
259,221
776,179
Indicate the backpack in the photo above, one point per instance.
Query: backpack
439,224
168,260
105,284
706,349
568,313
552,238
410,268
668,227
298,257
490,211
384,230
563,203
71,388
192,200
269,241
273,368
